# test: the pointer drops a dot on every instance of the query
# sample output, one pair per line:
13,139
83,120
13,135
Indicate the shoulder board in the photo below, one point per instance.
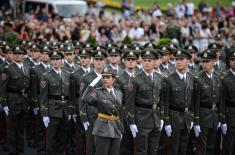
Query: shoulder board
6,66
199,73
46,72
216,73
34,67
99,88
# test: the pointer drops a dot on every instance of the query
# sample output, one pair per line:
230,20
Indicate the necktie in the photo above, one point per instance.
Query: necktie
113,94
22,69
184,79
150,77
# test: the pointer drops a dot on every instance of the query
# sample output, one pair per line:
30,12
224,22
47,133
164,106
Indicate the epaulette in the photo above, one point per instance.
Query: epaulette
99,88
46,72
224,74
34,67
216,73
199,73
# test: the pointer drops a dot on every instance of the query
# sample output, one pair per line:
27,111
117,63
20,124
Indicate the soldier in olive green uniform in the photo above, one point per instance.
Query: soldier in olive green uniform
130,60
143,105
228,81
114,57
108,127
88,112
193,67
207,101
7,49
35,75
166,66
55,104
15,85
69,64
219,66
178,103
76,76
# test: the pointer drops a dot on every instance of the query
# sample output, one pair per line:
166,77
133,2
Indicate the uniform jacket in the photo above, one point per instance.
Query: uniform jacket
55,94
178,101
108,105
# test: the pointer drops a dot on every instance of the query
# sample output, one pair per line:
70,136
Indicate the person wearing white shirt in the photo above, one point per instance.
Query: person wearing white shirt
190,8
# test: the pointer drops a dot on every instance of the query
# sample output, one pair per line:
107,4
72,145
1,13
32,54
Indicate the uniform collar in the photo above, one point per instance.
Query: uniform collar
58,72
2,58
86,69
70,64
181,75
232,72
45,65
129,73
19,65
149,74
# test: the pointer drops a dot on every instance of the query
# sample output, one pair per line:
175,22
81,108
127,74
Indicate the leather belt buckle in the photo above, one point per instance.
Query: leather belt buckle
154,107
186,110
214,107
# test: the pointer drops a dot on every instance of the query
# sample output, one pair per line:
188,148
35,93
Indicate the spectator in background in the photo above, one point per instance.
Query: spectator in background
136,32
157,12
189,8
180,10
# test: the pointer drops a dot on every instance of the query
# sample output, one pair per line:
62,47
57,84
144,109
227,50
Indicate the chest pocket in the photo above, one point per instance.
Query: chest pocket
205,87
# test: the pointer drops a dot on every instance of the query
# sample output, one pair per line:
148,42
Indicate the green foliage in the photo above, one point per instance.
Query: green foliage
163,41
11,38
173,31
127,40
91,40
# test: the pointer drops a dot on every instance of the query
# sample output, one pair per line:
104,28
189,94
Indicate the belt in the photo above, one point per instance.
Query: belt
147,106
19,92
213,107
186,110
58,97
230,104
112,117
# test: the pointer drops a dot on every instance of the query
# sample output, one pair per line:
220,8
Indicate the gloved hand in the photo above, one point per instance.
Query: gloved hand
161,125
95,81
134,130
219,124
35,110
6,110
46,121
191,126
224,128
168,130
69,117
86,125
197,130
74,116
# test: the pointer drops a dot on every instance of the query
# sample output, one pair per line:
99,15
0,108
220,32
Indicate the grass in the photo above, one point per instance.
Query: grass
163,3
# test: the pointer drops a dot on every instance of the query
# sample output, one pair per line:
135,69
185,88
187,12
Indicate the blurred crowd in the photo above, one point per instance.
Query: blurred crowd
198,24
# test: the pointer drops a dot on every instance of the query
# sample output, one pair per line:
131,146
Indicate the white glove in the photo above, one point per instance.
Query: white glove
219,124
224,128
191,126
95,81
74,116
69,117
6,110
168,130
134,130
46,121
161,125
86,125
197,130
35,110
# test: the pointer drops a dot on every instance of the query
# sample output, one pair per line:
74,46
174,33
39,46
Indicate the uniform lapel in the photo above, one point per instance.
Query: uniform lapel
56,75
108,95
19,71
147,80
179,80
